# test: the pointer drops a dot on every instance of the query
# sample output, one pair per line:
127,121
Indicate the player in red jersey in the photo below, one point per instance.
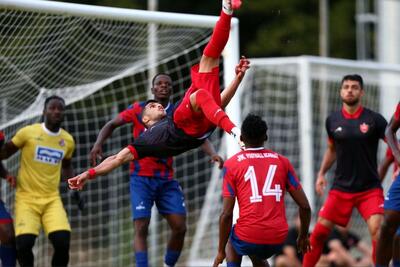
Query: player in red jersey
195,117
354,134
258,178
151,178
391,222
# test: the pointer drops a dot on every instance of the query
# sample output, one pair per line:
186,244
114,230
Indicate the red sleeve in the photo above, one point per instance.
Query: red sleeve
397,113
228,186
389,154
292,182
129,114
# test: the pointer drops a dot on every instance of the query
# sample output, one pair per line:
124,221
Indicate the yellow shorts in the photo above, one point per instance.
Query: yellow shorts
33,212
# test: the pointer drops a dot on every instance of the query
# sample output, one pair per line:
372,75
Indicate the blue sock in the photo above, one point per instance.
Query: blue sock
8,256
141,259
232,264
171,257
396,263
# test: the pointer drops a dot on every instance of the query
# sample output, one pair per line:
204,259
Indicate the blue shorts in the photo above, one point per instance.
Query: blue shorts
167,194
392,199
262,252
5,217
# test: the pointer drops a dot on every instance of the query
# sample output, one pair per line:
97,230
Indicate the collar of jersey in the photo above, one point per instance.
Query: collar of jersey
255,148
50,132
355,115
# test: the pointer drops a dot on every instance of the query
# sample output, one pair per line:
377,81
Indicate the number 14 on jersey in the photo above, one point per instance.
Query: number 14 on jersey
267,188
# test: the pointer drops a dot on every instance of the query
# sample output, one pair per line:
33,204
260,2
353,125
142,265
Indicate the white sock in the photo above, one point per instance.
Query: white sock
227,7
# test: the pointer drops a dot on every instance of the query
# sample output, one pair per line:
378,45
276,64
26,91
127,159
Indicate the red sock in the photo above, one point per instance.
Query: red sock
374,251
219,37
317,240
212,111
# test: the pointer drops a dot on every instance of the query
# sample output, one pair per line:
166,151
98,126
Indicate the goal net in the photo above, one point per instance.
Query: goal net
100,60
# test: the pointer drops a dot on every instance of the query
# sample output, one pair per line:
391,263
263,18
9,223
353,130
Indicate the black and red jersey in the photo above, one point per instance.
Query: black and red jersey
356,137
149,166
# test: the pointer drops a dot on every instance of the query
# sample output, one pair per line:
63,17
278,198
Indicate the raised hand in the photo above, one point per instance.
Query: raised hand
217,159
242,67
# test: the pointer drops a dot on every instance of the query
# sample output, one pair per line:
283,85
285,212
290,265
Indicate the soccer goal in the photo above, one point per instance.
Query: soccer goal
100,60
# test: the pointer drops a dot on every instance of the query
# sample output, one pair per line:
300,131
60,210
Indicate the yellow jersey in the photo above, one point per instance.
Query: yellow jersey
42,152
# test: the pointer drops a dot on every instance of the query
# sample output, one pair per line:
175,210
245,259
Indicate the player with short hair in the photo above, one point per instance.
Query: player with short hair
391,220
258,178
46,151
152,178
195,117
7,235
354,134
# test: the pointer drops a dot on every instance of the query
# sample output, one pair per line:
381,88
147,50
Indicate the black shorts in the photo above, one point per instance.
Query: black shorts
164,139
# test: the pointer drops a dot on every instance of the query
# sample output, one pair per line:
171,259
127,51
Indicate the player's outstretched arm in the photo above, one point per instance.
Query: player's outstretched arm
225,225
230,90
303,242
391,139
97,152
8,149
103,168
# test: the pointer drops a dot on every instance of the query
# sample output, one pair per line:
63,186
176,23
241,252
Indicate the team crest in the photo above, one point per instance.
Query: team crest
62,142
364,128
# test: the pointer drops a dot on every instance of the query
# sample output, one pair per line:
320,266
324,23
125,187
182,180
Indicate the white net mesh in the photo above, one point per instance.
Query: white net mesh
100,66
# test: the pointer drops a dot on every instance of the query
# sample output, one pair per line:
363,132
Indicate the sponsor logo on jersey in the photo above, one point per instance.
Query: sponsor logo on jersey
364,127
48,155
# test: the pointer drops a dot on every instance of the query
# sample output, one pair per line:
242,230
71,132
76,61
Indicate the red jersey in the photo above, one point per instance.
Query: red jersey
259,179
195,123
149,166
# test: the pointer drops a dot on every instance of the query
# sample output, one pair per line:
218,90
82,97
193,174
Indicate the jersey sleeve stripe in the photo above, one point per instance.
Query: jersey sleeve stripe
133,151
293,181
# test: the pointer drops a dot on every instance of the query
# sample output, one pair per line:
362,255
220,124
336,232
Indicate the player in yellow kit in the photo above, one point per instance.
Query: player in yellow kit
46,150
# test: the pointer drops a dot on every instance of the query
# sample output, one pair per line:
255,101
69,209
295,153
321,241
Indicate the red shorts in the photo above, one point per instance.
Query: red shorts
339,205
191,122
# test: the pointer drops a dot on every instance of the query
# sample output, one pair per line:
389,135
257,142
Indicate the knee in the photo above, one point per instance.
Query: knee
179,229
60,240
141,229
25,242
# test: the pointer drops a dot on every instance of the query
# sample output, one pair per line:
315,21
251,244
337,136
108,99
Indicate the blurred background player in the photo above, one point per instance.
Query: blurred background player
46,150
290,256
340,246
258,178
151,178
7,236
354,134
195,117
391,222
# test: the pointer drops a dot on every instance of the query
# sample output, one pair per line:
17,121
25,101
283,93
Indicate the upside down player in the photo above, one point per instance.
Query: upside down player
8,252
46,150
195,117
152,178
391,222
354,134
258,178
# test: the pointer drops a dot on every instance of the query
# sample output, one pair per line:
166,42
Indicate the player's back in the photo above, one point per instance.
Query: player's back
259,179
